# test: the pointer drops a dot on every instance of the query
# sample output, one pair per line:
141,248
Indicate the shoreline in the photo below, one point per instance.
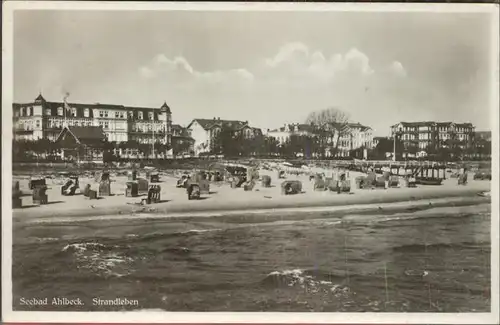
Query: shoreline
287,204
271,215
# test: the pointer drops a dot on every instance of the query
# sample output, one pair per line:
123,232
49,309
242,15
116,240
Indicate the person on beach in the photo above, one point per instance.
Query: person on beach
462,178
386,175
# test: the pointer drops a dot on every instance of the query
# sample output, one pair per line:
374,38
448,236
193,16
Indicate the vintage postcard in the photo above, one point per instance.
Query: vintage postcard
250,162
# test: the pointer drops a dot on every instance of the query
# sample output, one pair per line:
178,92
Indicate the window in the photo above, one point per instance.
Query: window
76,123
60,111
37,123
48,112
130,114
106,125
101,113
117,114
73,112
105,113
86,112
140,115
122,114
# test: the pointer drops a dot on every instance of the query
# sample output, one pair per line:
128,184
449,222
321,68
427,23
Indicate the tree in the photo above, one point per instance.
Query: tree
264,146
482,149
304,144
181,146
452,149
411,148
20,150
271,145
329,126
386,145
144,149
226,142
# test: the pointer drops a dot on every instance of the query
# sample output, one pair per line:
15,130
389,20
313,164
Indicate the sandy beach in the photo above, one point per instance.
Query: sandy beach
224,199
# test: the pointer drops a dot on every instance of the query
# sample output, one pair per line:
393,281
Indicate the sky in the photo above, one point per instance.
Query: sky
268,68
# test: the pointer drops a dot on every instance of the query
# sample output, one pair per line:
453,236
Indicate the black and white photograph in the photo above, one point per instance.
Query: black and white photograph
268,160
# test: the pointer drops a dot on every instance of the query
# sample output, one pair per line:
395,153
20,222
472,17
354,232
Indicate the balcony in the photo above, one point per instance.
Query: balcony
158,133
23,131
53,128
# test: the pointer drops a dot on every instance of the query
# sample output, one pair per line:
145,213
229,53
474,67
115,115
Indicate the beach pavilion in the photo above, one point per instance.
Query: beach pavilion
82,144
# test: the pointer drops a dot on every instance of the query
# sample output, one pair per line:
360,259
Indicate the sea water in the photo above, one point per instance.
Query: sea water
431,260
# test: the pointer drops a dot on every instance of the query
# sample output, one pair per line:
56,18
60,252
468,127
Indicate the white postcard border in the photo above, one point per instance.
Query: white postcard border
216,317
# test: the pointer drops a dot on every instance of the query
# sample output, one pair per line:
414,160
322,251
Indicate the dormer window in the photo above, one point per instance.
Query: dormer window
151,116
60,111
140,116
73,112
86,112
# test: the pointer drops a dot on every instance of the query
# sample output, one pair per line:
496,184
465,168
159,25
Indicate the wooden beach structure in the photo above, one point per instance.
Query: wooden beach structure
82,144
424,172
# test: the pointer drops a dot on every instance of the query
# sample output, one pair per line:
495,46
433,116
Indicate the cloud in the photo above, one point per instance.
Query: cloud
398,69
294,64
289,84
146,72
296,60
289,53
178,71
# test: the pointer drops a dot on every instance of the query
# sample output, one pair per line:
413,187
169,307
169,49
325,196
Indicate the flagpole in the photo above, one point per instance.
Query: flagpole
65,113
153,134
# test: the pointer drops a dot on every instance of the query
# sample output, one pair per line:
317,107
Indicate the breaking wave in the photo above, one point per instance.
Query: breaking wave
305,280
199,231
99,258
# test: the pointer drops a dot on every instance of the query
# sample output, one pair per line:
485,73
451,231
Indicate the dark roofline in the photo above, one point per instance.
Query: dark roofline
429,123
94,105
216,122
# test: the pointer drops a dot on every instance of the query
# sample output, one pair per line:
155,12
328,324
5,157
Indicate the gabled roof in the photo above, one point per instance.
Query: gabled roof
87,132
359,126
179,131
208,124
40,98
257,131
84,135
165,107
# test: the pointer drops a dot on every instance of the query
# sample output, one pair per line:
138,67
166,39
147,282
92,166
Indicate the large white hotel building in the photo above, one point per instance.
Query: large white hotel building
44,119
